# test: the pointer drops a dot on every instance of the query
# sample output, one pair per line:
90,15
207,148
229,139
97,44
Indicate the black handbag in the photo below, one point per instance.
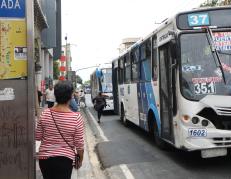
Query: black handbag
77,157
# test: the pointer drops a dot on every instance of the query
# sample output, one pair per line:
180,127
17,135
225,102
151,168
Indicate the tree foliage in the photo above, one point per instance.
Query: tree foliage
79,79
56,70
212,3
87,82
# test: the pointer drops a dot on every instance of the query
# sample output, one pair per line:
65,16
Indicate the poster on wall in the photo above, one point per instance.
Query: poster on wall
13,51
13,47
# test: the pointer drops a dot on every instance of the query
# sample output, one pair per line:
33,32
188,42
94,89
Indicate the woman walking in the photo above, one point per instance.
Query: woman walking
61,133
99,103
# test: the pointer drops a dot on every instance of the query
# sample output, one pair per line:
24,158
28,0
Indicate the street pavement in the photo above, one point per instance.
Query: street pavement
129,153
118,152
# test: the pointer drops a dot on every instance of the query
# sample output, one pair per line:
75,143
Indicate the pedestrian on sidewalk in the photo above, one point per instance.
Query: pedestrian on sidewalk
39,97
73,105
82,98
61,134
50,98
99,103
76,97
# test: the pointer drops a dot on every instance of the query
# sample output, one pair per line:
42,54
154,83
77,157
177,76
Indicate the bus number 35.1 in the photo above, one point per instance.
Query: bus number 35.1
204,88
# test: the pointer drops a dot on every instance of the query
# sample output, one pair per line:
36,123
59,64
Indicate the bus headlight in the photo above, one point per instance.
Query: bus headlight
195,120
205,123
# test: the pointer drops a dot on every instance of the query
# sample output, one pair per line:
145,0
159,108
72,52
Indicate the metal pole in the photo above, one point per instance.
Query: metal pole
31,88
66,56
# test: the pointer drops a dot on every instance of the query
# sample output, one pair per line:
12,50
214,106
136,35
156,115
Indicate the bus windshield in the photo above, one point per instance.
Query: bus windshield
107,81
200,75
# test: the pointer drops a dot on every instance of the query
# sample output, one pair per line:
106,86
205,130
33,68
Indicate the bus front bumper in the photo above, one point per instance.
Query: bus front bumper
213,144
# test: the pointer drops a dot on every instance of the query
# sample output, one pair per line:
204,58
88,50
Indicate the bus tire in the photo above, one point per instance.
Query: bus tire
123,117
151,125
153,131
160,143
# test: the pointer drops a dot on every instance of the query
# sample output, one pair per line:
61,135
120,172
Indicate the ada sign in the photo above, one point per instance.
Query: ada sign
12,8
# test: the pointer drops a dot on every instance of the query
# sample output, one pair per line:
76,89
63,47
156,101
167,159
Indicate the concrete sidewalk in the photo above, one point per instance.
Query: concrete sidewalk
86,171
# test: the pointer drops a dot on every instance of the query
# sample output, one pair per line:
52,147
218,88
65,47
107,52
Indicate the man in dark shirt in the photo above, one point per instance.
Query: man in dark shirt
99,103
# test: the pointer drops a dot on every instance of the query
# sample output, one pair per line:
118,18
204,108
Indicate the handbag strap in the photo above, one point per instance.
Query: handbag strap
61,133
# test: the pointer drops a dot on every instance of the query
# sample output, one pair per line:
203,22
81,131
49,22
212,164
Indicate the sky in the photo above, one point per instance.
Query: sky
95,28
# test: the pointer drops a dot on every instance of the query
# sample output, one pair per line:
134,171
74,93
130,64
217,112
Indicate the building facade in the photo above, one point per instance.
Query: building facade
47,40
126,43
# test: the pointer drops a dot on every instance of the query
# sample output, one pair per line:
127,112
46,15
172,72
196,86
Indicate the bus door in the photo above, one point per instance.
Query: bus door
165,92
115,88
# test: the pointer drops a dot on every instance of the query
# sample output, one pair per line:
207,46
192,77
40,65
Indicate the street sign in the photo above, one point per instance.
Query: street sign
12,8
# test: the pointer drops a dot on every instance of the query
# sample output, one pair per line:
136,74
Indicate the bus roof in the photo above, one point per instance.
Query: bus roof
164,23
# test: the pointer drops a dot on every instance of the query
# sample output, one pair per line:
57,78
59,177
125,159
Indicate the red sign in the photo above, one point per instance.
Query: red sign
62,78
62,68
63,58
207,80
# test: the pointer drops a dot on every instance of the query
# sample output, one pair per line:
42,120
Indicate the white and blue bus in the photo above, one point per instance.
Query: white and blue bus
101,80
176,82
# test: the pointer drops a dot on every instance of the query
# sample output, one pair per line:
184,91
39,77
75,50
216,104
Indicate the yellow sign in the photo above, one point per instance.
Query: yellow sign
13,49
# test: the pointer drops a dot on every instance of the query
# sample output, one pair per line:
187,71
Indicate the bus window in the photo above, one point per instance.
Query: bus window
154,61
200,75
127,65
146,61
121,71
135,64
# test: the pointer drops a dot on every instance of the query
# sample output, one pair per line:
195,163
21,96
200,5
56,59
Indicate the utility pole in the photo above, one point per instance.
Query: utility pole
66,56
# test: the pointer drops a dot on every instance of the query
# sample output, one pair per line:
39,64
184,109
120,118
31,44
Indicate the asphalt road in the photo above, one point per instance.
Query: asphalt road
131,147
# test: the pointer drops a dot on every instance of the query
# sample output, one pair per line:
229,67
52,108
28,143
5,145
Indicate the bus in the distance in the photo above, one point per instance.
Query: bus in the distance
87,88
176,82
101,81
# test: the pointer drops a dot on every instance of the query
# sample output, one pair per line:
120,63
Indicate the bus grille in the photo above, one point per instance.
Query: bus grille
223,111
222,141
221,121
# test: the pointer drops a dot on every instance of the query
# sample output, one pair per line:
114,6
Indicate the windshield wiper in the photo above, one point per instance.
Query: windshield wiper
216,56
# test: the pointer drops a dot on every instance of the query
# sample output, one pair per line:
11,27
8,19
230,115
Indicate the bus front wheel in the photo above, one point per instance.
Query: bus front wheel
159,142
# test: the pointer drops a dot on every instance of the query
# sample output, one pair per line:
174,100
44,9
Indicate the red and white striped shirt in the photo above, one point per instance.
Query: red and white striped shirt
70,125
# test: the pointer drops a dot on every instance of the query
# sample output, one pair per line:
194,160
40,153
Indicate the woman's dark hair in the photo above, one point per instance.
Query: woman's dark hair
100,93
63,91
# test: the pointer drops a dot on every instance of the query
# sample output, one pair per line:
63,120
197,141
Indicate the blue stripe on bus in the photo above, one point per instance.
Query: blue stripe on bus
146,99
155,110
152,103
